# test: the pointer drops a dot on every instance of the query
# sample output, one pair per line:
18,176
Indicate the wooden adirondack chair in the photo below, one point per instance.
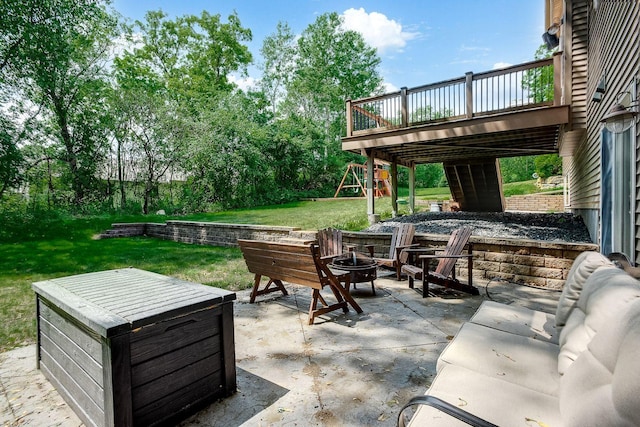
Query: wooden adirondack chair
402,238
330,242
445,272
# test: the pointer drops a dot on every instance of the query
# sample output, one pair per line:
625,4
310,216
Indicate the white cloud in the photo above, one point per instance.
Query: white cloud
389,87
122,44
499,65
244,83
466,48
377,30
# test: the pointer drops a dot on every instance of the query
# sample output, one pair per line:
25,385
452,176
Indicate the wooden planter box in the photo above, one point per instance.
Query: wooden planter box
129,347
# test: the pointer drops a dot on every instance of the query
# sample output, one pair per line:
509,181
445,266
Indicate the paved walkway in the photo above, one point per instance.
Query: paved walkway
345,370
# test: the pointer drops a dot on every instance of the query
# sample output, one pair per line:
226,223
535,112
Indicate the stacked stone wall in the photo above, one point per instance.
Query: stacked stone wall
530,262
536,203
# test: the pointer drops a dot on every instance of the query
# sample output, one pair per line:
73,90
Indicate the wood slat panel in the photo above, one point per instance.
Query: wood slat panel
113,301
153,369
164,337
88,343
49,335
176,380
72,393
52,354
162,409
290,263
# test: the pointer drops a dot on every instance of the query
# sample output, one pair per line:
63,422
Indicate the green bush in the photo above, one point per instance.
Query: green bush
548,165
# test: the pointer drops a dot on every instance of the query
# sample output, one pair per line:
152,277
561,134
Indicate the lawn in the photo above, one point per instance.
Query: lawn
52,245
49,245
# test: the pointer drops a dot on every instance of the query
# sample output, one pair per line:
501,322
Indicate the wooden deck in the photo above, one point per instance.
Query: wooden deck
488,114
478,118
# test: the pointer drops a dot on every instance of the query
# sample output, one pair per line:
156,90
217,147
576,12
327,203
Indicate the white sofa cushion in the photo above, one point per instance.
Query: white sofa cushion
513,358
584,264
490,398
605,297
517,320
602,387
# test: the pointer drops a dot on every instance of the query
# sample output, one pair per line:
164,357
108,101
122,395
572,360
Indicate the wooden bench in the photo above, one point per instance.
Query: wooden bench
300,265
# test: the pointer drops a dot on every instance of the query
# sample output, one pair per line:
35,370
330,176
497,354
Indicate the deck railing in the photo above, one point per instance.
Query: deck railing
530,85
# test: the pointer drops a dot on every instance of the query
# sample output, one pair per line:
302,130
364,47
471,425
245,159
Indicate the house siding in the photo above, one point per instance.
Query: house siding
613,49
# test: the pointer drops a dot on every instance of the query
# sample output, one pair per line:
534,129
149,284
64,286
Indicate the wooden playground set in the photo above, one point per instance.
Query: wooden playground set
355,179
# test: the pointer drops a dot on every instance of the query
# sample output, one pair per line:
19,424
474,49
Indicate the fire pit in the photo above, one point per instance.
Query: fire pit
361,268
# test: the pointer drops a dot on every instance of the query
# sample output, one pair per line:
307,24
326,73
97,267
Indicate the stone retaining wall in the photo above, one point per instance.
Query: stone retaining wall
200,233
530,262
535,203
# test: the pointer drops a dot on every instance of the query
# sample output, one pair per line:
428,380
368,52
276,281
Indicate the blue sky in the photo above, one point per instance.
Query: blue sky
419,41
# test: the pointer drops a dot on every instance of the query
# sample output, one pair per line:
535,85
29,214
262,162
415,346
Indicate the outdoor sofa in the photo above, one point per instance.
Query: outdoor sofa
512,366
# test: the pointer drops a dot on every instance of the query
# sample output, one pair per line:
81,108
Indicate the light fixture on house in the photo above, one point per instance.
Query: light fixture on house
620,118
599,93
550,37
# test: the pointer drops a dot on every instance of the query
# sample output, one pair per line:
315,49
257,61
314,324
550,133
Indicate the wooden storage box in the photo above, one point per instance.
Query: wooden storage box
129,347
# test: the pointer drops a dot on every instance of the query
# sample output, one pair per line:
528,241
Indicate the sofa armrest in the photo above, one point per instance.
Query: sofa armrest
447,408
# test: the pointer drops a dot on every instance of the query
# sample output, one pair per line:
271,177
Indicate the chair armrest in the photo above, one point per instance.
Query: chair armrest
445,256
447,408
412,245
415,252
420,250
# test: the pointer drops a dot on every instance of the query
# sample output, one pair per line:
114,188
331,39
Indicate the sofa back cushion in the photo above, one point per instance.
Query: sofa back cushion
584,264
602,387
604,299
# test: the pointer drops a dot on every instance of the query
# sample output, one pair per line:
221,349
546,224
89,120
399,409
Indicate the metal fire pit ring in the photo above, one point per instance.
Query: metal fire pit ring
361,268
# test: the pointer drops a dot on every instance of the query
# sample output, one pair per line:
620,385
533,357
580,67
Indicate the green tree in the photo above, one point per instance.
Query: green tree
227,165
278,51
516,169
170,82
548,165
57,59
539,81
11,160
326,66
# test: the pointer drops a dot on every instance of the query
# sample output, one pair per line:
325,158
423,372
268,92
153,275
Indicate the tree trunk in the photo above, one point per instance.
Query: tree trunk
123,196
70,157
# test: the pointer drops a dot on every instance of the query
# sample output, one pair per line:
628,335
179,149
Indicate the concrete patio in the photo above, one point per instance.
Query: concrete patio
345,370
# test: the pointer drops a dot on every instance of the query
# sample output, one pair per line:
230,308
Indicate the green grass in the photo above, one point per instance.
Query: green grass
48,245
520,188
31,261
343,213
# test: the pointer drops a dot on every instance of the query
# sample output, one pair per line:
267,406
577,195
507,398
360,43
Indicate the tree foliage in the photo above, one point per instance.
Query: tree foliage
96,111
56,59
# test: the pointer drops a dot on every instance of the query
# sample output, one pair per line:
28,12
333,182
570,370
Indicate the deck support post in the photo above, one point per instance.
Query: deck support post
469,94
371,211
394,189
412,188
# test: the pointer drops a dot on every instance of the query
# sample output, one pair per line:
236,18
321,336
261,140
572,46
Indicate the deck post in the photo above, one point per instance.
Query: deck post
371,209
349,119
403,105
394,189
469,93
557,79
412,188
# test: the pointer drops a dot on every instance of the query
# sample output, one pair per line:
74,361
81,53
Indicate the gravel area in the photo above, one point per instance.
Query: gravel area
561,227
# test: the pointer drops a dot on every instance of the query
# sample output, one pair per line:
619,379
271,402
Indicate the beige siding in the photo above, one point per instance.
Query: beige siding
637,231
575,93
613,51
578,93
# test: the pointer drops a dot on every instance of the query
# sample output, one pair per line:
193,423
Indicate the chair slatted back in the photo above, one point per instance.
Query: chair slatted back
401,236
457,241
330,242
